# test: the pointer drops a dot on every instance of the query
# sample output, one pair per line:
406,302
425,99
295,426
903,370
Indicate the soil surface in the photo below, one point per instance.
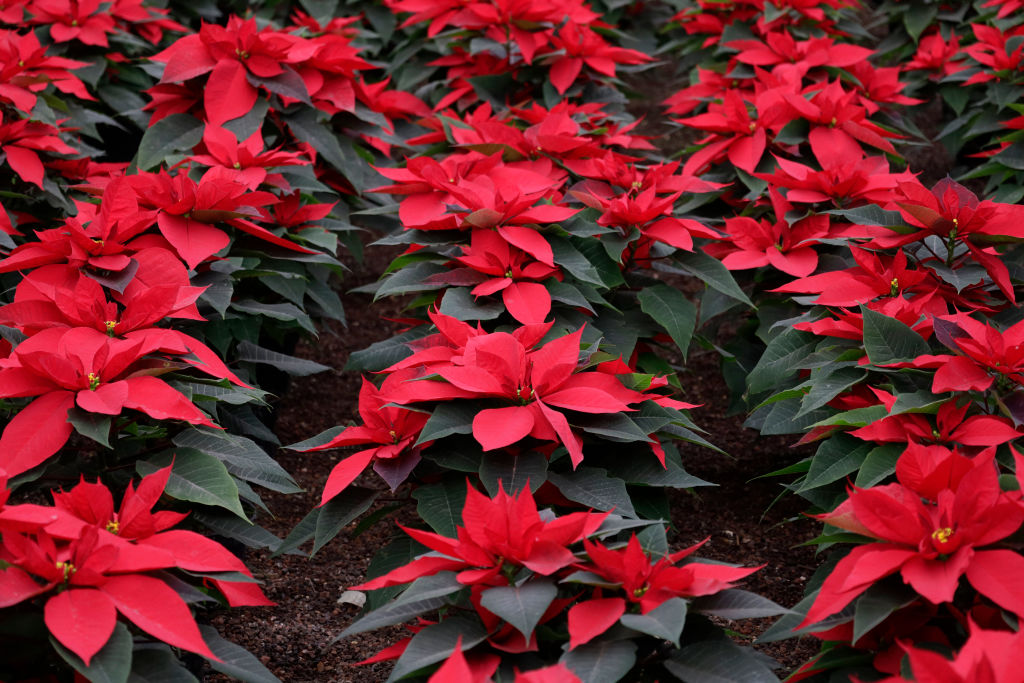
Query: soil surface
295,639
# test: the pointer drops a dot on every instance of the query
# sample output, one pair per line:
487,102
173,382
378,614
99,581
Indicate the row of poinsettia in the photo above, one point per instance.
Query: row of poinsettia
900,357
130,284
918,265
530,231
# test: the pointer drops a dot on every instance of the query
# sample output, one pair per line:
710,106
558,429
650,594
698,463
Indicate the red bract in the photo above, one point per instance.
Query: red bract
873,276
186,211
755,244
498,535
25,69
582,46
22,140
81,20
952,426
937,55
988,356
931,543
493,265
992,50
734,135
231,55
986,657
244,162
499,365
394,430
643,583
80,366
90,592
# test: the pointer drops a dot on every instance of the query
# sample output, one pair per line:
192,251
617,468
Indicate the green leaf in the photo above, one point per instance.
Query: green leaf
318,440
512,472
664,621
339,511
523,605
241,457
576,264
284,312
825,386
174,133
601,662
424,595
305,125
611,426
591,486
454,417
649,472
381,354
440,505
719,661
250,535
111,664
299,367
837,457
888,340
158,665
711,271
734,603
780,360
672,310
415,277
436,643
92,425
461,305
236,661
879,464
877,603
918,19
196,478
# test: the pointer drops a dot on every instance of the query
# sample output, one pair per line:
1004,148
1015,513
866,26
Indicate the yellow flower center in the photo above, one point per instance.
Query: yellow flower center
894,286
67,568
752,127
834,122
237,165
641,591
114,526
94,381
110,325
942,535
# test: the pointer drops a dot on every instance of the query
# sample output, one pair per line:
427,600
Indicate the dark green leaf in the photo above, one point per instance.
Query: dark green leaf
877,603
158,665
719,661
174,133
591,486
300,367
236,661
111,664
454,417
672,310
664,621
339,511
440,505
92,425
837,457
461,305
879,464
711,271
241,456
512,472
197,478
601,662
888,340
318,440
523,605
436,643
425,594
734,603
